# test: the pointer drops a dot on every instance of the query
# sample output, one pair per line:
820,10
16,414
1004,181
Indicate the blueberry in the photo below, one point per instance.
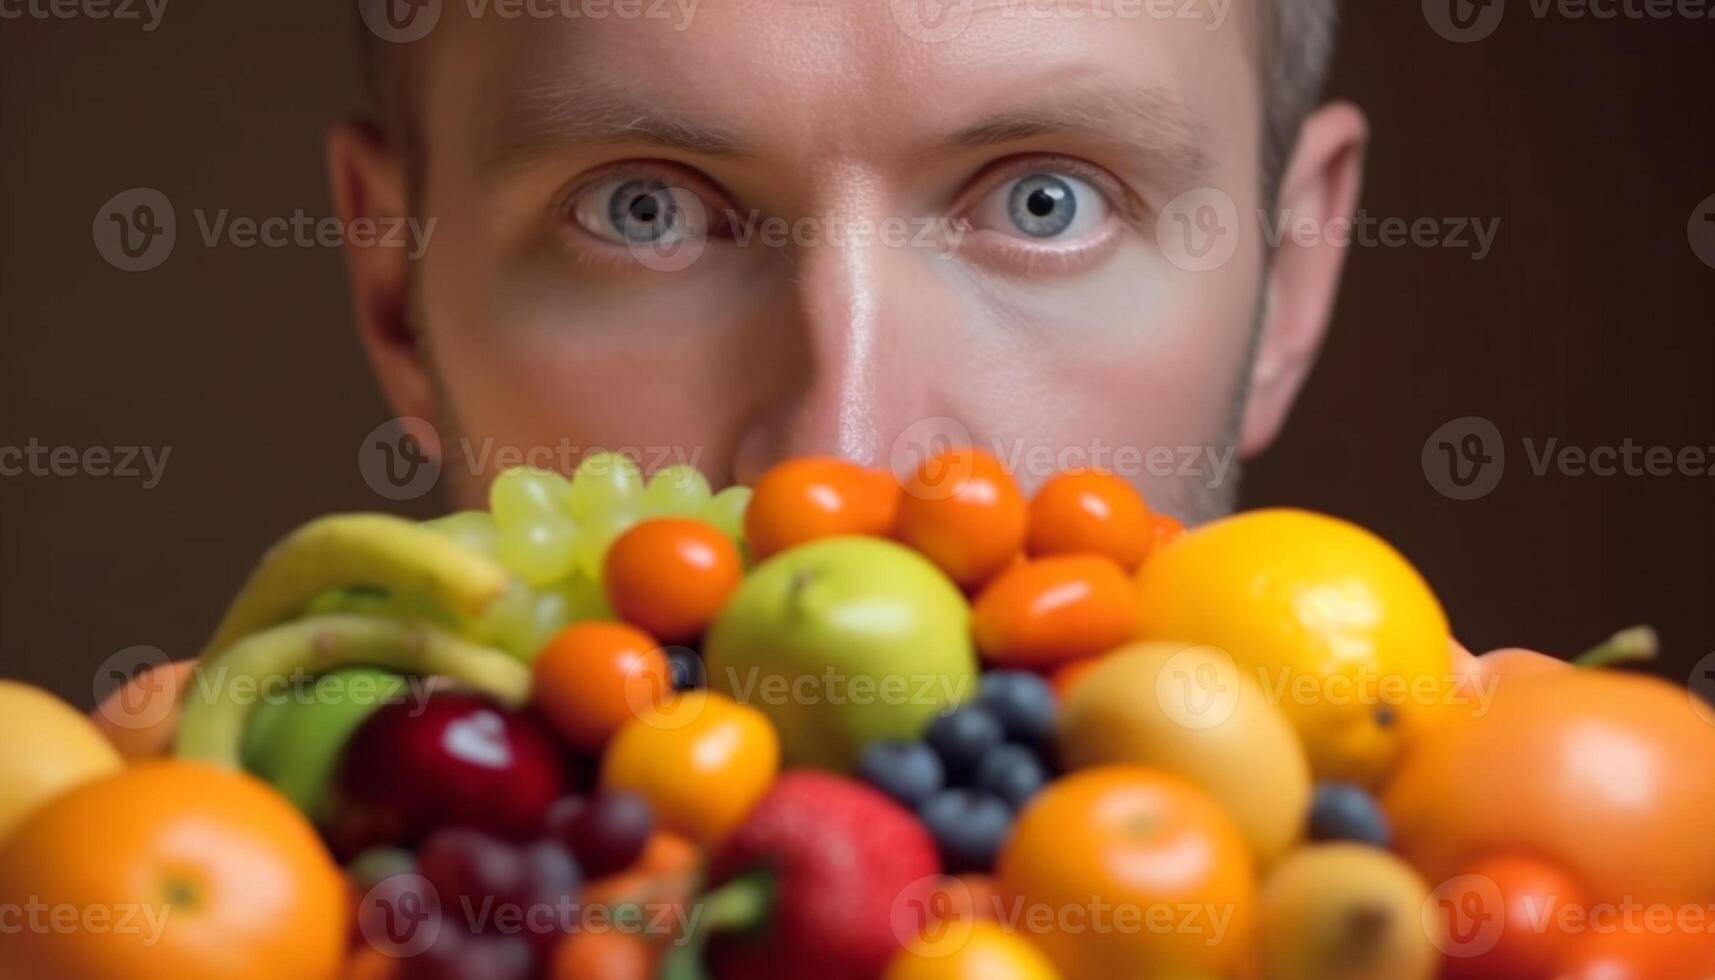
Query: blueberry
910,772
1023,703
1340,811
962,738
1013,773
685,668
968,826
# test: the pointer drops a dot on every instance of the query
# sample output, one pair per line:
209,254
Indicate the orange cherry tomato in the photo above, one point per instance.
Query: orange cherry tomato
816,497
1509,917
1682,952
602,954
701,759
964,513
1047,612
1130,837
594,677
670,576
1089,512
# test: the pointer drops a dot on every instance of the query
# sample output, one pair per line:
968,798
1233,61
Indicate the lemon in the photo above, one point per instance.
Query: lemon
46,747
1337,627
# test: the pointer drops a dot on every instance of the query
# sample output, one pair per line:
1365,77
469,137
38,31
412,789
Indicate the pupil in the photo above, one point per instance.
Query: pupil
644,210
1042,202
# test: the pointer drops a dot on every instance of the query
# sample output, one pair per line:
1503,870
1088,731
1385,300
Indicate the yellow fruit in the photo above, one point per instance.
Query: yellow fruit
1344,912
1338,628
984,951
46,748
1191,711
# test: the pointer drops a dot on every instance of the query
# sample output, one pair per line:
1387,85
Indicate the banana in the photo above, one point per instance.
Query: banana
368,550
219,699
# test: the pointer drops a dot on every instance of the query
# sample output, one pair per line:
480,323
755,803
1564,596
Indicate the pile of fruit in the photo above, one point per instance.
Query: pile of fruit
843,726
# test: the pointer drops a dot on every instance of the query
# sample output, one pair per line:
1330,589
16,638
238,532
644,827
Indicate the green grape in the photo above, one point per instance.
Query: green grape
541,551
677,490
549,612
584,598
605,484
507,623
474,529
726,511
594,537
523,495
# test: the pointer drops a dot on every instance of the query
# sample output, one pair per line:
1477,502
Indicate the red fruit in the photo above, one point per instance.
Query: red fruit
455,760
840,855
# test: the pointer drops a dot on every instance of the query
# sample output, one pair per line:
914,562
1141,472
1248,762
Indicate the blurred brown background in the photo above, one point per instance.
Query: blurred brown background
1593,142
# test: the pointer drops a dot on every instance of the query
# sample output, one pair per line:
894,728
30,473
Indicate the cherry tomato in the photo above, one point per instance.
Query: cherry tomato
602,954
804,499
1088,512
1678,953
671,576
1050,611
964,513
594,677
701,759
1518,915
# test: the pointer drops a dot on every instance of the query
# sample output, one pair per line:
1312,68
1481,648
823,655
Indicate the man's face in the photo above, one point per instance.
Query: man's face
889,239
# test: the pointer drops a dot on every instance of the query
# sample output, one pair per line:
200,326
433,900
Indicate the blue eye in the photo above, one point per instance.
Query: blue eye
639,211
1042,207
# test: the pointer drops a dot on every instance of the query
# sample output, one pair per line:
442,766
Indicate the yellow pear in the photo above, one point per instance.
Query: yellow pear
46,748
1190,710
1344,912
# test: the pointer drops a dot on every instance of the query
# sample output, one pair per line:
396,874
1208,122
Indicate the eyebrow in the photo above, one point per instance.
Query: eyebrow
539,120
1152,128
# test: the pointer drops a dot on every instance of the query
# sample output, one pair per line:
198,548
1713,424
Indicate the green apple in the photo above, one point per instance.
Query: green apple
294,737
842,642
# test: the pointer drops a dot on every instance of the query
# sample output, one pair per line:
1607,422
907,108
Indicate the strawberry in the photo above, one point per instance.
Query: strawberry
836,855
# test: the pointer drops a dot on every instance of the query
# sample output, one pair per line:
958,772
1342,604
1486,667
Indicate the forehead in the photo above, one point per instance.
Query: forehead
875,78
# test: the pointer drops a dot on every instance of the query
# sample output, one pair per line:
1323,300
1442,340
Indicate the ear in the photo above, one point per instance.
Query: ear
1321,186
367,178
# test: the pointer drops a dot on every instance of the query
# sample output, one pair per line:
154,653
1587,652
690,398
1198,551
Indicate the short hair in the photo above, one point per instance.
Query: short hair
1297,45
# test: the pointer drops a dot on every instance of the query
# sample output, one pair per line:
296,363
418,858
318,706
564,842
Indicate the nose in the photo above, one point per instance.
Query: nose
866,367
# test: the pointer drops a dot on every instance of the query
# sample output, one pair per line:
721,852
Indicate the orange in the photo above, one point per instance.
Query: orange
670,576
1677,953
1610,776
814,497
1050,611
1125,871
595,676
1087,512
174,871
964,513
